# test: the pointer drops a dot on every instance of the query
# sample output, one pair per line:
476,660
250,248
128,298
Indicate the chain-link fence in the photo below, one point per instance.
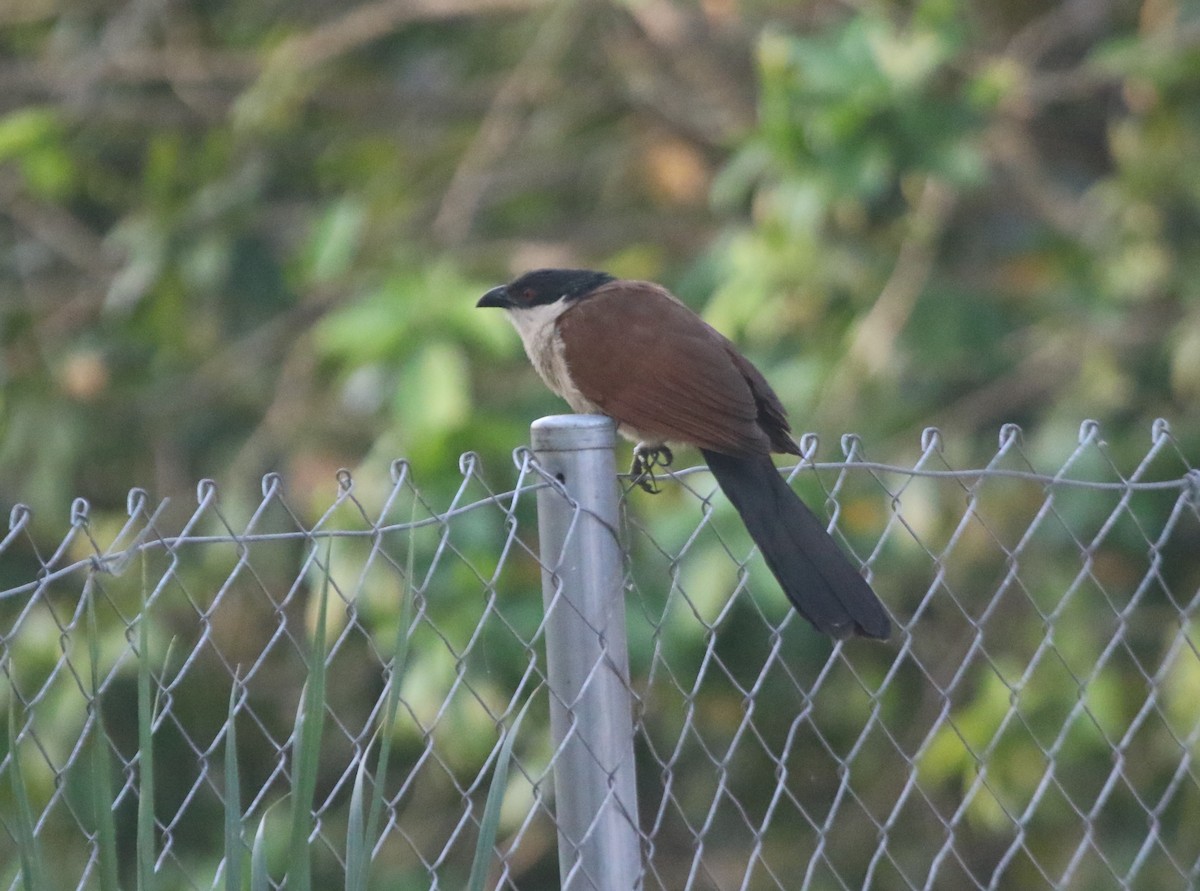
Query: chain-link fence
1034,721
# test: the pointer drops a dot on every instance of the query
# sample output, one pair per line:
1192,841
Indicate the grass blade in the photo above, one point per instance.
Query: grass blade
490,823
102,796
310,718
260,876
145,812
357,847
233,797
33,869
395,676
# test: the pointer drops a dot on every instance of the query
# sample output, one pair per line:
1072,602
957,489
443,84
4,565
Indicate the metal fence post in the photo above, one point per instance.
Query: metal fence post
587,658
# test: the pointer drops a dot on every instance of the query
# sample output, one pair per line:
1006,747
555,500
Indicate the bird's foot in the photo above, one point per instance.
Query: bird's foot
645,459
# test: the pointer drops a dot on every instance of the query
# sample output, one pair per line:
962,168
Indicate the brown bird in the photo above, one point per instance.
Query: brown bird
631,350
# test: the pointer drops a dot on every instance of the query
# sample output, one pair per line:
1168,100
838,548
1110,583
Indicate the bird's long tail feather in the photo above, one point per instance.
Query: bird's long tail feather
812,570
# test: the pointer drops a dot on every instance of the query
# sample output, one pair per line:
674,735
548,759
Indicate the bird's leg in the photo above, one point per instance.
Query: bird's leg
645,459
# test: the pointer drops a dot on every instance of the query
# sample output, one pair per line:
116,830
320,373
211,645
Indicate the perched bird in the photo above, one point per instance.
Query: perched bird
631,350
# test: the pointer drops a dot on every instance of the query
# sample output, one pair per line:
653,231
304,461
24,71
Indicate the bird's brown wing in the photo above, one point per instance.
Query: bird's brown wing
659,370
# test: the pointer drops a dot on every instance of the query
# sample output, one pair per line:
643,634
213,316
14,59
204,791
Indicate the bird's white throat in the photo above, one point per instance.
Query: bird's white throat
538,328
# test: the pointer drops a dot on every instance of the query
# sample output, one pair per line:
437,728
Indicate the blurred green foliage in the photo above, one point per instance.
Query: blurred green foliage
235,243
238,238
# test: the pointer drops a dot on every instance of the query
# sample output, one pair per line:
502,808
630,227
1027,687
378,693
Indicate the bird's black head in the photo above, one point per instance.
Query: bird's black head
544,286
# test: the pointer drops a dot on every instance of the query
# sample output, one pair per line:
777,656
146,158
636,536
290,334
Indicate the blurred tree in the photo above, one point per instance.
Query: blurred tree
944,212
968,214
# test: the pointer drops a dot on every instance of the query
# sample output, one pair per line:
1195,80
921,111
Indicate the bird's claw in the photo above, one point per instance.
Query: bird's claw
645,459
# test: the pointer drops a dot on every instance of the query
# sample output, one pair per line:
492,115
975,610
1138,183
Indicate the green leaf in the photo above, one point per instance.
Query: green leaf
49,171
233,797
260,876
489,825
357,844
396,667
434,391
29,851
145,813
101,780
34,138
336,240
310,719
27,129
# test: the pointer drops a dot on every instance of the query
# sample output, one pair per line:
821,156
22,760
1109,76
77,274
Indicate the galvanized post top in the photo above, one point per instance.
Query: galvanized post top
567,433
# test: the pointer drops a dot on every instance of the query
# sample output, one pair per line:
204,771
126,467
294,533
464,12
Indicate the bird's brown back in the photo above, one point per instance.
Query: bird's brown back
659,369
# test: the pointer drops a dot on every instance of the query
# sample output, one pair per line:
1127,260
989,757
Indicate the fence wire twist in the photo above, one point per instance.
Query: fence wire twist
1033,722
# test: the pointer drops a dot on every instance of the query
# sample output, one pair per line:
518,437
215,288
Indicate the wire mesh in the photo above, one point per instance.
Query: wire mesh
1034,721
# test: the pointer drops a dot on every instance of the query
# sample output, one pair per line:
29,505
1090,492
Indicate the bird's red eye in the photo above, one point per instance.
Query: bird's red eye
527,295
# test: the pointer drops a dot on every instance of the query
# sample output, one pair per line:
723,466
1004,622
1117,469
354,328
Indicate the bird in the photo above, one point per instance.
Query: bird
633,351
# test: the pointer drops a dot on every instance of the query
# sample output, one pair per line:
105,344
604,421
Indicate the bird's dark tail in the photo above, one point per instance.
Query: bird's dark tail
812,570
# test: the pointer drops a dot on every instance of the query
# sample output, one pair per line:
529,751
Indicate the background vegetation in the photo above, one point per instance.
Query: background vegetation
245,237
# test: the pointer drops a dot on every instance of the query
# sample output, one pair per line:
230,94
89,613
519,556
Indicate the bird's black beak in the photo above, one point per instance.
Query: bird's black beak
496,297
